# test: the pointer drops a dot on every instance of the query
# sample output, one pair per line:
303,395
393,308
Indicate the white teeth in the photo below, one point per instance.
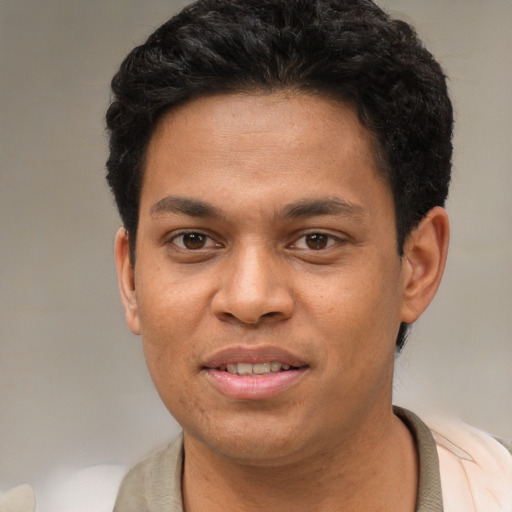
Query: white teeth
244,368
254,369
275,367
261,368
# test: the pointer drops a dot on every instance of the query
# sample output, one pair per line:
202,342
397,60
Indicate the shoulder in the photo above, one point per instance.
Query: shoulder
476,469
154,484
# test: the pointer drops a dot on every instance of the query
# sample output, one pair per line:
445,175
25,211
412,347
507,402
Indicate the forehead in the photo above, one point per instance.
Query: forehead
300,116
281,142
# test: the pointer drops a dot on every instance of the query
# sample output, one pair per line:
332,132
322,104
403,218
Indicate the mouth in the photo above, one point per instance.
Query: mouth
253,360
252,374
256,369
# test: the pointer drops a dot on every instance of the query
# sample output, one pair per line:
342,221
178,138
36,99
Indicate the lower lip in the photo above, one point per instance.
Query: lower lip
261,387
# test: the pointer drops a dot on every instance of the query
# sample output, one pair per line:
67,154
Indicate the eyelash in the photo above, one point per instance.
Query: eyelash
330,240
323,240
206,237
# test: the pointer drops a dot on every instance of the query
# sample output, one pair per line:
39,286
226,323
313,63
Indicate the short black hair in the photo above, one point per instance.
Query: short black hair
350,50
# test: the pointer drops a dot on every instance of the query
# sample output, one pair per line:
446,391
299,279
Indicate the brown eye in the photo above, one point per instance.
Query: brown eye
194,240
316,241
191,241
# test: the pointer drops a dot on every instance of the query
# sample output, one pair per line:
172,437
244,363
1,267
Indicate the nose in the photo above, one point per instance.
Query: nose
253,289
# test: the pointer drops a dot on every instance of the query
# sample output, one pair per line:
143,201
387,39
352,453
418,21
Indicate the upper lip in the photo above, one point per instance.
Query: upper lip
254,355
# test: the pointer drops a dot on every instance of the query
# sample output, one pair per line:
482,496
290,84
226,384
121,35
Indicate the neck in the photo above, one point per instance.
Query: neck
376,469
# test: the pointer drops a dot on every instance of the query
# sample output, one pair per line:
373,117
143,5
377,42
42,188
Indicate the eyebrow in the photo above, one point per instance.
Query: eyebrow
325,206
298,209
184,206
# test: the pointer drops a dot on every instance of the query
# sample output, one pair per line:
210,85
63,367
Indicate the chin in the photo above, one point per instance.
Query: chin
251,442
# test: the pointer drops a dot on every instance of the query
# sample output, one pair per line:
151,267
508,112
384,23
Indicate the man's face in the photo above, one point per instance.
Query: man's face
267,285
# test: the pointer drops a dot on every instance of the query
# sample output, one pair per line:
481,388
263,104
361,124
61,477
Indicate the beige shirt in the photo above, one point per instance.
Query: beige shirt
154,485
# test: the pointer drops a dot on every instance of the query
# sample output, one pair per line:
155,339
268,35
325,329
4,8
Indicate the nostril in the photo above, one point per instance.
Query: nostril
249,319
251,303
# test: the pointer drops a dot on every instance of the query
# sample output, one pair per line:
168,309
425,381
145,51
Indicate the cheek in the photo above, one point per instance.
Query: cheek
169,332
171,314
168,300
357,310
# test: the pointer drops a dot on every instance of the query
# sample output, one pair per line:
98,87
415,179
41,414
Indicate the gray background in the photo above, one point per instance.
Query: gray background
73,386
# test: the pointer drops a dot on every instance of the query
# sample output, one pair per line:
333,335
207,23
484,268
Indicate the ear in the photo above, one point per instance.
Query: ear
424,259
126,280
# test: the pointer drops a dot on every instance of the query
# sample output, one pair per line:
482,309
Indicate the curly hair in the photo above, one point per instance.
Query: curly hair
350,50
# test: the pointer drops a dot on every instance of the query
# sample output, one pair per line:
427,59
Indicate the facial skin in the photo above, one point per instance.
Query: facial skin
266,233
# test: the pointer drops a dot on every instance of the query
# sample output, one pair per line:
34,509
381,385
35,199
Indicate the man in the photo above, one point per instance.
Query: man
281,168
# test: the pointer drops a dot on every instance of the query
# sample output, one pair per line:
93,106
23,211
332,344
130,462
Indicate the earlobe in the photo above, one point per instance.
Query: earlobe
424,261
126,280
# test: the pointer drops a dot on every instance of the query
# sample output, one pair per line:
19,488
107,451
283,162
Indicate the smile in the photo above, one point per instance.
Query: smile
245,373
255,369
